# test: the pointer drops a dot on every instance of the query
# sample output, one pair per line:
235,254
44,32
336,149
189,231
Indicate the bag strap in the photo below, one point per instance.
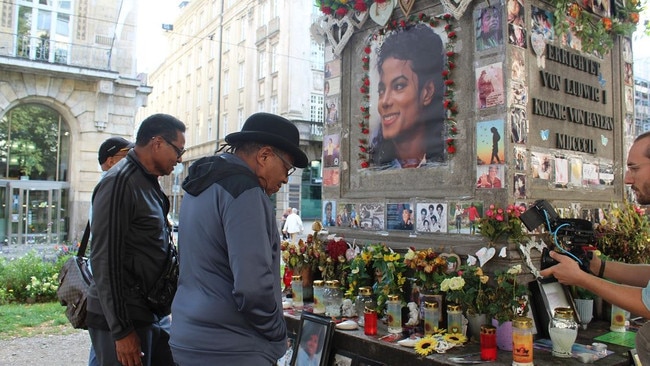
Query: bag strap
84,241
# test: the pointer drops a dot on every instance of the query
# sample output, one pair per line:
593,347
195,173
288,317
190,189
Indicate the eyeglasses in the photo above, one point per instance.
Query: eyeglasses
290,169
632,169
179,152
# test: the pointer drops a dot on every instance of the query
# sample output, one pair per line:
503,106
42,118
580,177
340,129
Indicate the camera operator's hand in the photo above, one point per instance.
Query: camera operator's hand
566,271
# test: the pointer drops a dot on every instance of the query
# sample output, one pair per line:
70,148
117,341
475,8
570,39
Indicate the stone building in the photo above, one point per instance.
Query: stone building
67,82
225,64
524,113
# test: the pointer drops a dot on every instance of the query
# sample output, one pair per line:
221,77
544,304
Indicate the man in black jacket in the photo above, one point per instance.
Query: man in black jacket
131,238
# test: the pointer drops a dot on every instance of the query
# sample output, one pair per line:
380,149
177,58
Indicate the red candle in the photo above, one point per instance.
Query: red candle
370,322
488,343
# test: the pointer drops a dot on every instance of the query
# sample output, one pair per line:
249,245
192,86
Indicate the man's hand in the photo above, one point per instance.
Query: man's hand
566,271
128,350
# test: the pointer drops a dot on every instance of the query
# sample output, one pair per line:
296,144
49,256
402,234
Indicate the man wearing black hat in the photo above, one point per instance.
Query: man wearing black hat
113,150
228,307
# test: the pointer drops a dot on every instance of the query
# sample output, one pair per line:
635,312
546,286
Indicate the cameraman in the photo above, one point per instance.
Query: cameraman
631,287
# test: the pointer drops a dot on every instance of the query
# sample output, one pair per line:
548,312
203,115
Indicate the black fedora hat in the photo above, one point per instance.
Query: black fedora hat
274,130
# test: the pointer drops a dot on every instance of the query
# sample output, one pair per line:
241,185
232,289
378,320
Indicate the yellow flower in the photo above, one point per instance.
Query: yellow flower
366,256
456,283
455,338
425,346
484,279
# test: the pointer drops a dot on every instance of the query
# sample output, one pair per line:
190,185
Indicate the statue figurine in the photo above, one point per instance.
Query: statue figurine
347,309
414,314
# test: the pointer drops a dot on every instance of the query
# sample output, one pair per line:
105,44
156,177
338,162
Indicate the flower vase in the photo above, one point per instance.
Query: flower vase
475,321
585,309
504,335
307,284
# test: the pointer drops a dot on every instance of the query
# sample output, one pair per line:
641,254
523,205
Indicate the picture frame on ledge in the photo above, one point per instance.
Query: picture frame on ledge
546,296
314,340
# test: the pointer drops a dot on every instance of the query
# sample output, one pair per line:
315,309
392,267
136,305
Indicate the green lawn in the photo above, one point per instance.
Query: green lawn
24,320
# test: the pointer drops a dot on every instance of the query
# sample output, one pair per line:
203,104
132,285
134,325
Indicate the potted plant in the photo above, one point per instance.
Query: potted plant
469,288
584,300
508,300
502,224
623,234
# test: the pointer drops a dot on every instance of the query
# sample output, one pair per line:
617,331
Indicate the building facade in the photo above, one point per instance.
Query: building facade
68,81
225,64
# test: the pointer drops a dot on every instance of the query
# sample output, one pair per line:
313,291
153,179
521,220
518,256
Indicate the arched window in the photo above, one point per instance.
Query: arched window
34,144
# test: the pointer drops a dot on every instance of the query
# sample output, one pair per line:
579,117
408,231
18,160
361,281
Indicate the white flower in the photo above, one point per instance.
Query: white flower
515,270
444,285
456,283
409,255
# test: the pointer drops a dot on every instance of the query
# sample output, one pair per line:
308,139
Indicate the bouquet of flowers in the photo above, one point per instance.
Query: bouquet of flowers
428,267
334,260
623,234
301,255
499,222
380,267
469,289
509,297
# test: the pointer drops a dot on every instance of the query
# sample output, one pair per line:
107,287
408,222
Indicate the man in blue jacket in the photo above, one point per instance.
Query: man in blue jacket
228,307
131,247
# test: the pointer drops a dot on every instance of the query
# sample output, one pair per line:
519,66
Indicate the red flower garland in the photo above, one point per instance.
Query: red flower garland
449,103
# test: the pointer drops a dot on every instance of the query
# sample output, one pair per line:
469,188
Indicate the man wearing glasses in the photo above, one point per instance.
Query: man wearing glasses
630,289
228,307
131,247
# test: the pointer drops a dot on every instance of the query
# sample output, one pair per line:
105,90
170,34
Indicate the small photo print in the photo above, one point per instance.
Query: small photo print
431,217
347,215
331,177
329,213
489,86
590,174
520,161
372,216
606,173
519,186
331,151
541,164
561,172
399,216
576,171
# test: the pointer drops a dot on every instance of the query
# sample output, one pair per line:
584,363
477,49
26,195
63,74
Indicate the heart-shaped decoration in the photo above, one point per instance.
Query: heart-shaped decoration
538,42
381,12
544,134
453,261
358,18
406,6
338,33
456,7
484,255
604,140
503,253
471,260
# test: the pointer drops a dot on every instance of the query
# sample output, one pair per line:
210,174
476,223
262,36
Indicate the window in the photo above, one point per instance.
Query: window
274,58
316,109
261,64
242,30
224,124
263,13
43,29
226,39
226,82
317,55
242,76
240,118
274,104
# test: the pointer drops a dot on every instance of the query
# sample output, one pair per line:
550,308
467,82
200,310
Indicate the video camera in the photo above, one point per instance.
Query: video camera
575,234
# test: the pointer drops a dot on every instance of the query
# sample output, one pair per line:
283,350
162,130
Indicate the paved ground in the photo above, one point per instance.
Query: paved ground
52,350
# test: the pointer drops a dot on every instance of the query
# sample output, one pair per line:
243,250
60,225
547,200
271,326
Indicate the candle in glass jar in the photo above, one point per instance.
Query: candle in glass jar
488,343
370,321
296,289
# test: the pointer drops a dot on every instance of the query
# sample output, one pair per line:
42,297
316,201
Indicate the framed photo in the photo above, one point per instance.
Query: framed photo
314,340
366,362
343,358
548,295
291,346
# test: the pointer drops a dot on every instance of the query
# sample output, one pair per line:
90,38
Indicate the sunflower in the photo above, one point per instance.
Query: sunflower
455,338
425,346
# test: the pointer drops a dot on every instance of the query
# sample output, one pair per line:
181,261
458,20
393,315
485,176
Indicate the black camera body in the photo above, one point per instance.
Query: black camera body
575,235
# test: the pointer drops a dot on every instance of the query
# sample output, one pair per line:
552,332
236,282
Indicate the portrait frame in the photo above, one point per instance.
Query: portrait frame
343,358
546,295
312,324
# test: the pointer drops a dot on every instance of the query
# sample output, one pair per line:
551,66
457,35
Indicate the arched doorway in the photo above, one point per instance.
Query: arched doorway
34,160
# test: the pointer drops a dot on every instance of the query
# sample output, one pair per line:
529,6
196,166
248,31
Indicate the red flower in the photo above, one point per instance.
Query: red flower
607,23
363,90
449,82
363,149
421,16
326,10
364,164
445,73
451,35
450,141
341,11
447,27
446,103
364,131
451,65
366,82
447,16
360,6
450,53
364,109
451,149
634,17
367,50
453,130
402,24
